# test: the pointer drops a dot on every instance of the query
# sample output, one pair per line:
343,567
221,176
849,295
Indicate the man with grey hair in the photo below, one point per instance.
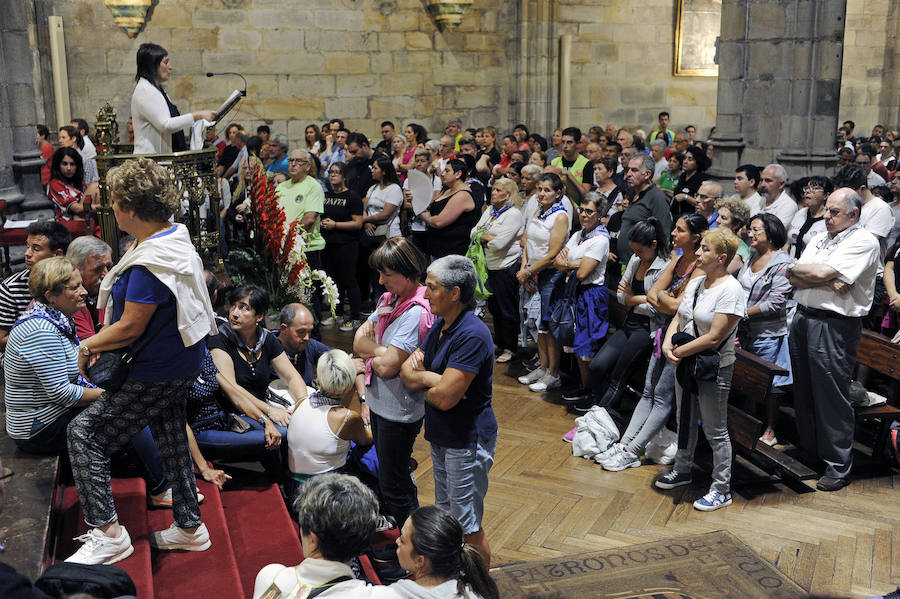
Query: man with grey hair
705,201
337,515
834,282
647,200
295,335
454,367
93,258
658,153
775,198
454,130
278,149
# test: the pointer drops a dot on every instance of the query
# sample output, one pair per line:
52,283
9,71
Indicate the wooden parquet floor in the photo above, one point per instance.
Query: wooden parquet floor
543,502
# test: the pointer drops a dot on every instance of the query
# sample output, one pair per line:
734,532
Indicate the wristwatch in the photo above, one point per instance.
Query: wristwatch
263,419
84,349
362,398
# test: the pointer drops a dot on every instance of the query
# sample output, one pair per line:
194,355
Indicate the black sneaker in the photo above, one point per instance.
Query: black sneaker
582,406
579,393
532,363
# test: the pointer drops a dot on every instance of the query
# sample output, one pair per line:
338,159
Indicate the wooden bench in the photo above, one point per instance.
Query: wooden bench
751,383
878,353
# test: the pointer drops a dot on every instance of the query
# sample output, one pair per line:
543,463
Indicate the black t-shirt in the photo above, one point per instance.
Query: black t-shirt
493,156
340,207
688,187
228,156
255,377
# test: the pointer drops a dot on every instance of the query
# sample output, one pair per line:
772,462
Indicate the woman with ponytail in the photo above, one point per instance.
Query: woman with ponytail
431,546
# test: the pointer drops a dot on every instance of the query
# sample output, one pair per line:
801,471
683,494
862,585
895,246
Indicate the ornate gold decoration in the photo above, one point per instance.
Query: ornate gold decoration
448,14
129,15
193,172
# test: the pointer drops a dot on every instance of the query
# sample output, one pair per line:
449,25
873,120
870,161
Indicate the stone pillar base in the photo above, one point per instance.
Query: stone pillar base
726,158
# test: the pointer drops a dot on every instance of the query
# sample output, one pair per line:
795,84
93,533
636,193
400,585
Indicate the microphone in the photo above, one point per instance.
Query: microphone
243,91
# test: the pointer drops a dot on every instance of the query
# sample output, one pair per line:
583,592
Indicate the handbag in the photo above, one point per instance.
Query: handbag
111,369
475,253
562,316
98,580
706,363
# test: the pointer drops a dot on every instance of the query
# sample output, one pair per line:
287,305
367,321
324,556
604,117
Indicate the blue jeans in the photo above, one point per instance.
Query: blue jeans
461,480
51,440
219,444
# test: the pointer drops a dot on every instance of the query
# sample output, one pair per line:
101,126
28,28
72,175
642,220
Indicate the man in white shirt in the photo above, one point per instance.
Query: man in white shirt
746,179
864,159
835,284
777,201
658,152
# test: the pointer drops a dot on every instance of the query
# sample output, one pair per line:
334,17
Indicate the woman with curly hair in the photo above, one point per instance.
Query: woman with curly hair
156,294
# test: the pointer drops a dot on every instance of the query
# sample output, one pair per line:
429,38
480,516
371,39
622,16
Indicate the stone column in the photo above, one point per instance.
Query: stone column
779,84
20,160
537,72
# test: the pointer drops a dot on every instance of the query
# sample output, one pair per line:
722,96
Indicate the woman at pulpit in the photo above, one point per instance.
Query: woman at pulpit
158,125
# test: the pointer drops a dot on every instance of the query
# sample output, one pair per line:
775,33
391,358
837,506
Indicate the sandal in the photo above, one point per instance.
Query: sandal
505,357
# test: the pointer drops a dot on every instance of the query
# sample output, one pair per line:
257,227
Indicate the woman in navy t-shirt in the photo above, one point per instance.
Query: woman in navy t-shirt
455,368
156,290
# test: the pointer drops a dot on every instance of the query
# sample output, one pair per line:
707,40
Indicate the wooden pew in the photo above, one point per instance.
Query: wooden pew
751,384
878,353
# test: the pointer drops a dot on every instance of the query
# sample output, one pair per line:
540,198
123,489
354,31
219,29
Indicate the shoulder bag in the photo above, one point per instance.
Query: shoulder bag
111,369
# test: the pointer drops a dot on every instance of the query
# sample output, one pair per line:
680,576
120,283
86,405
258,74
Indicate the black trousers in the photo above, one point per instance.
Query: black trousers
394,446
504,305
339,260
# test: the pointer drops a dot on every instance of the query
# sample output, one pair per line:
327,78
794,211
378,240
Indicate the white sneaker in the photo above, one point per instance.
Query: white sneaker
178,538
622,459
101,549
329,321
607,453
532,377
164,499
547,382
384,523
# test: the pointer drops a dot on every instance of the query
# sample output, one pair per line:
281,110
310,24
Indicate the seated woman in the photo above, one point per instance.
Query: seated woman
695,164
658,396
584,257
454,367
245,355
67,188
44,391
429,548
323,425
764,280
629,345
337,516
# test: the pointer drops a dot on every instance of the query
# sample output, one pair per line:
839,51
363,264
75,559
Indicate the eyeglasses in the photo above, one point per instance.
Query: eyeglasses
297,161
586,211
813,188
703,196
334,172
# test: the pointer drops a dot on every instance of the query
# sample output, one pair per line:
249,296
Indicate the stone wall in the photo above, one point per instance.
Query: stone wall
869,75
623,55
305,60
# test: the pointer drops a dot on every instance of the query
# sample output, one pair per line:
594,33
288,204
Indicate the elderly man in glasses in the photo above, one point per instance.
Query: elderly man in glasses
835,284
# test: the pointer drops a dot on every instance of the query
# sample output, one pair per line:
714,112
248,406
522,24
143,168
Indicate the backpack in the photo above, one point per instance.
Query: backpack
102,581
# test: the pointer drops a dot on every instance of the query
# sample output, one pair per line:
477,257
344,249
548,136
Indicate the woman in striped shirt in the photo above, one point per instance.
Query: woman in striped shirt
43,389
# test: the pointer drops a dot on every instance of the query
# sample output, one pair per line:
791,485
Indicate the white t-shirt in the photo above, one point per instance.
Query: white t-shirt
797,223
877,217
378,198
854,254
784,207
537,242
725,298
597,247
418,224
755,203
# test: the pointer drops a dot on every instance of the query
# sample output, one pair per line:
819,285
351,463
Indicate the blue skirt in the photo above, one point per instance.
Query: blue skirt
591,319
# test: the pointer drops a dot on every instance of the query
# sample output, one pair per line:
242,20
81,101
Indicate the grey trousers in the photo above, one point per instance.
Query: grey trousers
652,410
712,404
823,353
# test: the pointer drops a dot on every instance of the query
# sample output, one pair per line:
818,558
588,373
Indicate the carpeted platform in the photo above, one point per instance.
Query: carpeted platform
706,566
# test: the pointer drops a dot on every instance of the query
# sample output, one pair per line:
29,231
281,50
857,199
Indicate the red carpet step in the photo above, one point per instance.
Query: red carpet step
131,504
211,573
262,531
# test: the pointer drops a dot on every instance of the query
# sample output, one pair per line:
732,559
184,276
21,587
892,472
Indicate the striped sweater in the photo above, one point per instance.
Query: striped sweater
41,365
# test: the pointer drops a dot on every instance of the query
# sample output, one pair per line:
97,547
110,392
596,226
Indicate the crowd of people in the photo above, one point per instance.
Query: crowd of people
422,235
